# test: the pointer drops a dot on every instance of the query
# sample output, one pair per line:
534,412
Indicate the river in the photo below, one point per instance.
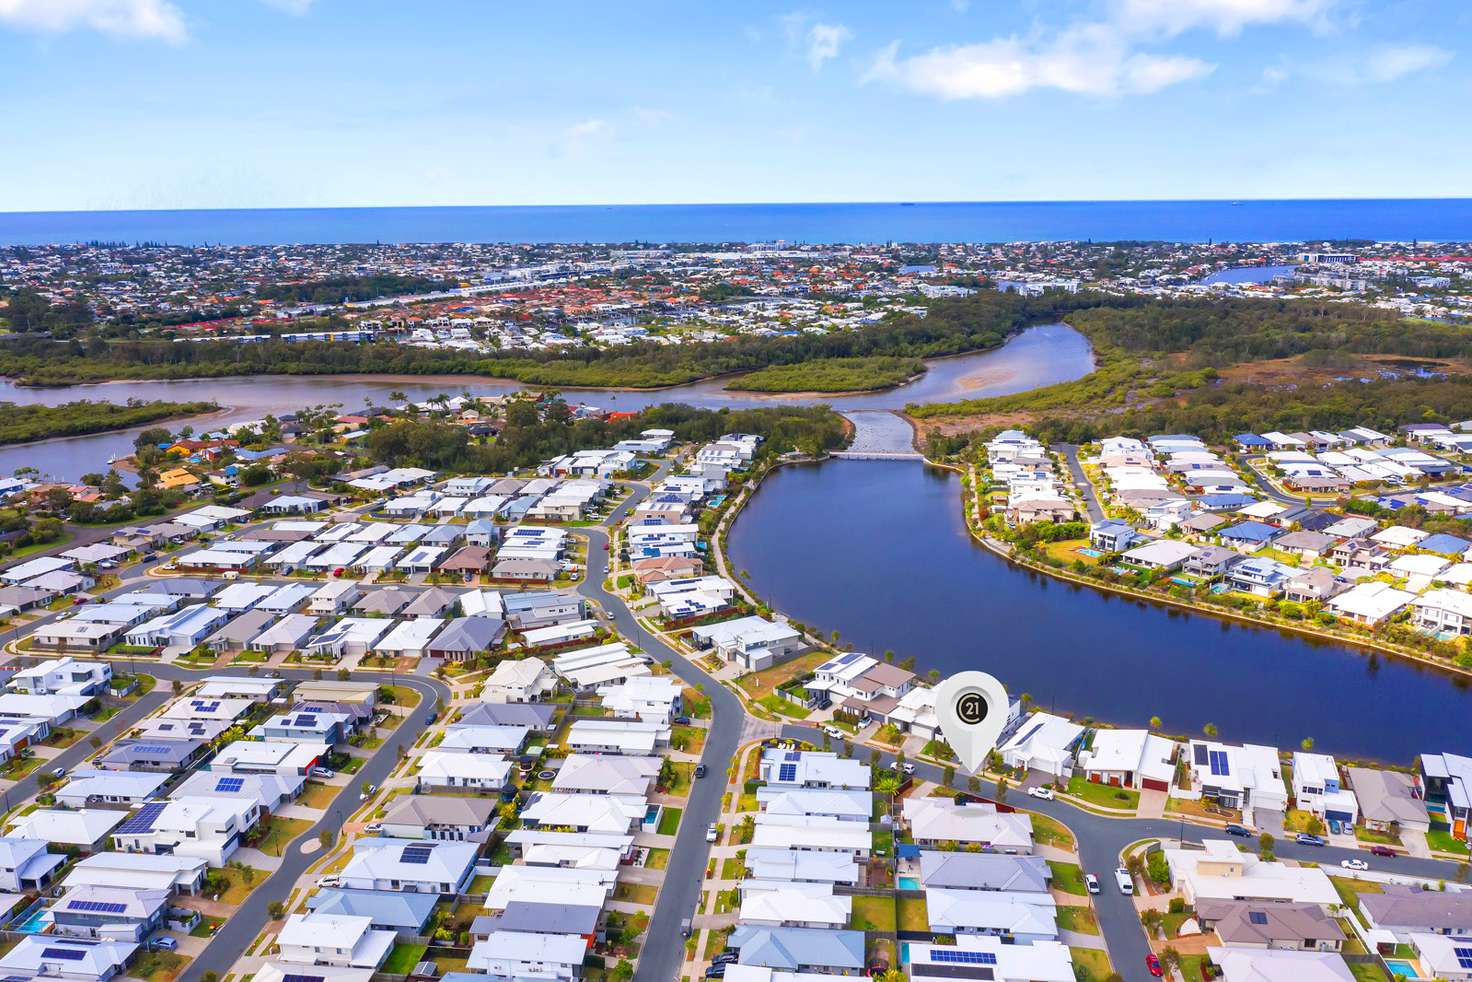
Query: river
1041,355
879,551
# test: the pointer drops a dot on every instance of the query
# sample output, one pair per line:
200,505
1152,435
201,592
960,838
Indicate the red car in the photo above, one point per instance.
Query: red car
1381,851
1153,964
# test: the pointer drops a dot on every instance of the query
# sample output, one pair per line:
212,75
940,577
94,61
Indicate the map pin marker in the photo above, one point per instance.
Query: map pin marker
972,709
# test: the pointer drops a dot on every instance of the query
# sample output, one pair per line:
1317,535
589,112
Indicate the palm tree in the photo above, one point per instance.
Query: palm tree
1307,743
1210,730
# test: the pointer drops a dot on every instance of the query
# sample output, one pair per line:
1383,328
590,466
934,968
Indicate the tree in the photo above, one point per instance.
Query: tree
1307,743
623,971
1265,845
1209,730
1154,722
1001,789
276,909
326,837
1152,920
178,687
1170,958
973,784
948,777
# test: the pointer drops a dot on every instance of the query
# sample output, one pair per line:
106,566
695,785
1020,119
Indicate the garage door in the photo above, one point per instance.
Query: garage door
1339,816
1151,784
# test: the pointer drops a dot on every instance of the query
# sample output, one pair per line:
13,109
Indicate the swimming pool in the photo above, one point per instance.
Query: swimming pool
36,923
909,883
1401,969
1182,581
651,818
1091,553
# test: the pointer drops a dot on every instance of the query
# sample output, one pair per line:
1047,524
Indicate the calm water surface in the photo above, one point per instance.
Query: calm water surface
1435,220
1038,356
879,552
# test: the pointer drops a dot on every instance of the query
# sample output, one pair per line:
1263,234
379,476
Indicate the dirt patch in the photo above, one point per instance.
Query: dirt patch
1284,372
949,425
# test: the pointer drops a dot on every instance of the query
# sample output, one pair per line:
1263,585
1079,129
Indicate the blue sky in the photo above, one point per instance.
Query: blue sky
259,103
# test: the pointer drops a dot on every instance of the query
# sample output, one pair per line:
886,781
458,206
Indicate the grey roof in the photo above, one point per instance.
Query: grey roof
152,750
1387,796
386,907
791,948
243,628
442,535
431,603
1313,541
423,809
385,601
469,634
1403,907
521,915
184,587
984,871
1242,922
537,715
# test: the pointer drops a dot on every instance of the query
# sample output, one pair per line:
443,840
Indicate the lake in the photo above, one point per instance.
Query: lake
879,552
1038,356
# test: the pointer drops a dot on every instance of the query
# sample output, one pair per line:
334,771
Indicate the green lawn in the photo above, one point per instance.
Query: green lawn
1080,919
733,868
1441,840
873,914
1103,795
669,820
1350,891
912,914
636,893
1091,964
657,859
280,834
402,959
1051,832
1383,838
317,795
776,704
1068,877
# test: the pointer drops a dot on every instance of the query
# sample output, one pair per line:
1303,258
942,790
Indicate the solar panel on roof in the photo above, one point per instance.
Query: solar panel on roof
301,978
98,906
1257,917
65,954
962,956
792,755
229,785
150,748
787,772
143,821
416,855
306,721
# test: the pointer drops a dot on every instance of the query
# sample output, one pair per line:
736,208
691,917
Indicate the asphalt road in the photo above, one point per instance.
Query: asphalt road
1082,482
663,948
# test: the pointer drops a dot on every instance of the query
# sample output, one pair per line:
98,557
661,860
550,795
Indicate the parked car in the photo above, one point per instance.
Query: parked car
1304,839
681,721
1044,793
907,767
685,928
323,772
1123,881
710,832
373,828
1091,882
1334,826
716,971
1240,831
1354,864
330,881
834,732
726,958
1153,964
58,772
1381,851
164,943
700,770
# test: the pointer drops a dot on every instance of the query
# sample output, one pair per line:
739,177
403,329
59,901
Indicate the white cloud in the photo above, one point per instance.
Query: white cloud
1086,60
1393,61
824,40
153,19
1226,17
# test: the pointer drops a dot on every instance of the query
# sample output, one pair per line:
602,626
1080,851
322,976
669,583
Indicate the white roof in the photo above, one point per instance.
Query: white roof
73,827
1279,965
463,766
411,635
1374,600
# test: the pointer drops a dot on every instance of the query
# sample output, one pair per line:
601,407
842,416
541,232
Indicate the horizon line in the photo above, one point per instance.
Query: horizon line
898,202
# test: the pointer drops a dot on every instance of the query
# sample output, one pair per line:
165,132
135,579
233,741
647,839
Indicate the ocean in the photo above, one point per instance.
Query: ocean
1427,220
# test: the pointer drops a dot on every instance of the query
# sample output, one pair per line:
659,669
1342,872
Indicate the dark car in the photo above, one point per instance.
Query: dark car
700,770
725,958
1305,839
1381,851
1239,830
716,971
681,721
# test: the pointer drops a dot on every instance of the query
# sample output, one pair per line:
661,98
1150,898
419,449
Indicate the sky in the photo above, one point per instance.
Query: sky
136,104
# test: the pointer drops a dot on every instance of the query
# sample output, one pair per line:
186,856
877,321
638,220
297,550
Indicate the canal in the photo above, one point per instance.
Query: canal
1038,356
879,552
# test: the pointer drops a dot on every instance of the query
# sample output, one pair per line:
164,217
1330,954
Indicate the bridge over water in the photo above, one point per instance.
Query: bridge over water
879,435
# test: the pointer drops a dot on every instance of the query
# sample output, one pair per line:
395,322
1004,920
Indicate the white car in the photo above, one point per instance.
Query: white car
1359,864
834,732
1044,793
1124,881
907,767
329,881
710,832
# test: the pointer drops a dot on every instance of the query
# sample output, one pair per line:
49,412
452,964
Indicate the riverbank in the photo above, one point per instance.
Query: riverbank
32,425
